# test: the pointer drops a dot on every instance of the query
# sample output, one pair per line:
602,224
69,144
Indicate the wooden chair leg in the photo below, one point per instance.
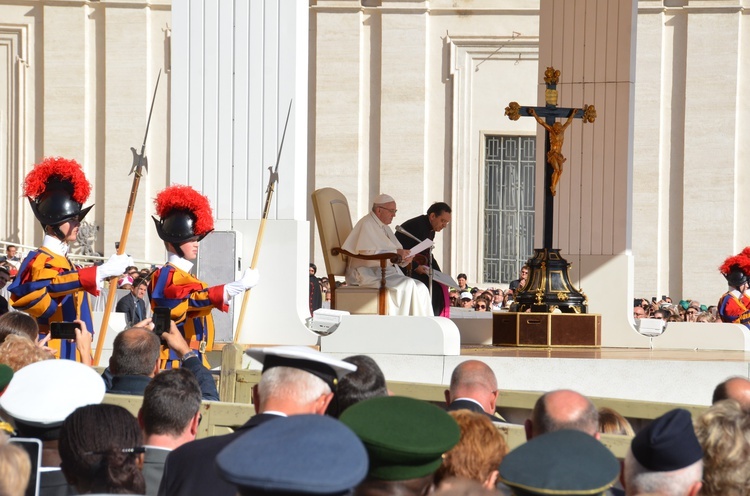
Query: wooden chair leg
382,290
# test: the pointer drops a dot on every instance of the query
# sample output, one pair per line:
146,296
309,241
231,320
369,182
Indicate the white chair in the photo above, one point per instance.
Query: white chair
334,225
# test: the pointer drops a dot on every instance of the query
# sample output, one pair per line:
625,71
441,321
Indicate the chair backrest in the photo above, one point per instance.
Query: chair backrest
334,225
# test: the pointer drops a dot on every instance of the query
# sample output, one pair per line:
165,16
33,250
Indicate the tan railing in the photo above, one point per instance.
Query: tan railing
235,390
218,417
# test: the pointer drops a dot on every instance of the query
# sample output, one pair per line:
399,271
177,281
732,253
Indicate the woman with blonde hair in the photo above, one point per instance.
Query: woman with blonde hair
611,422
724,433
477,454
15,469
18,351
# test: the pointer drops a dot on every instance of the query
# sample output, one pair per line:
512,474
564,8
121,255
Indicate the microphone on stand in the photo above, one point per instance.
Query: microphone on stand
407,233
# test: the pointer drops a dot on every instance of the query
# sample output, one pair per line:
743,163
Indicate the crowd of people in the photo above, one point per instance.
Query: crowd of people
328,426
683,311
463,296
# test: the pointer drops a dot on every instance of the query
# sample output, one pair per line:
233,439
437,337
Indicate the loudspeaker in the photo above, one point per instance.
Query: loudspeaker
219,262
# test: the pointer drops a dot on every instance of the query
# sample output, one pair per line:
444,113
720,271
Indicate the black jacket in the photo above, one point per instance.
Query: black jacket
133,308
421,228
474,407
136,384
191,468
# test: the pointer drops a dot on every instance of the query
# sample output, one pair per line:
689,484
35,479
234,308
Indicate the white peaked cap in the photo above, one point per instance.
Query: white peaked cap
45,393
303,358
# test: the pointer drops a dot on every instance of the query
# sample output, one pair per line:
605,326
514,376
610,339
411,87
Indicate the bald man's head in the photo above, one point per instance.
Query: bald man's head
475,380
135,352
734,388
563,409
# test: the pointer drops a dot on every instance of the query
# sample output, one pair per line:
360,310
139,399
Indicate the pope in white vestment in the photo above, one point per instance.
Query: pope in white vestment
371,236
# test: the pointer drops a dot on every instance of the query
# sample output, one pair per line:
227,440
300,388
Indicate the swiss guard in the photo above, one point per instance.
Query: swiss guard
185,218
48,286
734,305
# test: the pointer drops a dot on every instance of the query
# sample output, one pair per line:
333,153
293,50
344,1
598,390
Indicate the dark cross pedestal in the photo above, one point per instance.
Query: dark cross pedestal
548,285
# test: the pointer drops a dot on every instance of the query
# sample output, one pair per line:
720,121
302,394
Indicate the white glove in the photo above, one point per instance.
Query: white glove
115,266
248,280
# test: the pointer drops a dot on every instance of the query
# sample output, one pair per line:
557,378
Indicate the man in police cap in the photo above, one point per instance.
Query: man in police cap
302,454
295,381
405,440
48,286
665,458
39,398
565,462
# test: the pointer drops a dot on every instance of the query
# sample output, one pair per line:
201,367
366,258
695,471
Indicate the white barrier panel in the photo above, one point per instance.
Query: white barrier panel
398,335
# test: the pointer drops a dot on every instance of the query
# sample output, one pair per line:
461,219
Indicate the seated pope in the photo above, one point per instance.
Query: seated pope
372,235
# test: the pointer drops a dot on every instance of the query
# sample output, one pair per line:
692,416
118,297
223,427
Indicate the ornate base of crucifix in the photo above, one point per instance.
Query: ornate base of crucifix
548,287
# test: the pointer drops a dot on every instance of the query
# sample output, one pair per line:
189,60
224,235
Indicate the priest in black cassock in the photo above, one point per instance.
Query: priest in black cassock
423,227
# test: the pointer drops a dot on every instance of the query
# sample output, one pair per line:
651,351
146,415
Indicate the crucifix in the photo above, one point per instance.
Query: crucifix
548,287
554,133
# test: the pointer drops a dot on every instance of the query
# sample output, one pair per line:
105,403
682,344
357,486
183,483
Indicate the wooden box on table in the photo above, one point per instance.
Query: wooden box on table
547,329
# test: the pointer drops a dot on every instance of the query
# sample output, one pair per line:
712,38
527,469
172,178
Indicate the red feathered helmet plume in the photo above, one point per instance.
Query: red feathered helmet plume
185,215
57,188
736,268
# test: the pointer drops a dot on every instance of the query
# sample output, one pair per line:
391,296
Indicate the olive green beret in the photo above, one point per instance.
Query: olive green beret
405,438
6,374
562,463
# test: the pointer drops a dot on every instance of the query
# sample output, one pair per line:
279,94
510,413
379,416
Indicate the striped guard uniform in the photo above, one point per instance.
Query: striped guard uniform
734,308
190,301
51,289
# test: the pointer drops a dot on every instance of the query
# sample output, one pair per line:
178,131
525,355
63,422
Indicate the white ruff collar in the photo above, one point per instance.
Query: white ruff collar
179,262
55,245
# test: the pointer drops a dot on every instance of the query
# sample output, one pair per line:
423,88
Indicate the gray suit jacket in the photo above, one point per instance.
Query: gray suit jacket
153,468
53,483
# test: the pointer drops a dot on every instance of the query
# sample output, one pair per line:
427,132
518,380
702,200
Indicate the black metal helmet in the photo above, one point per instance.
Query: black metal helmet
736,268
56,205
184,215
177,228
736,277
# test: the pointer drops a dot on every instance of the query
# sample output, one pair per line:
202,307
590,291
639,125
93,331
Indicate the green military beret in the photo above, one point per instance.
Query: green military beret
6,374
405,438
562,463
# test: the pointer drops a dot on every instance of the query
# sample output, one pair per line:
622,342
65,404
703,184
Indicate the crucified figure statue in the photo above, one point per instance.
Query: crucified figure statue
554,156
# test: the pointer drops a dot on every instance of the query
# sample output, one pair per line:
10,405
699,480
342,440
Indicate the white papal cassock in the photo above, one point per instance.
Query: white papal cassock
406,296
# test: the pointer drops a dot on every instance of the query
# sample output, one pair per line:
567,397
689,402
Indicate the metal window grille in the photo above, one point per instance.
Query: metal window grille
509,172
